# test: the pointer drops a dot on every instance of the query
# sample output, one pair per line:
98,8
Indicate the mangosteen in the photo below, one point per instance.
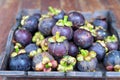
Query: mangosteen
44,62
112,42
31,47
32,50
37,15
64,27
73,49
20,62
112,61
87,61
31,24
77,19
58,45
83,38
101,34
23,36
67,63
103,24
57,14
100,48
46,25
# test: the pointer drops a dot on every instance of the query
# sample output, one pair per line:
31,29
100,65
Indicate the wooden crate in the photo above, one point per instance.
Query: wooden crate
100,73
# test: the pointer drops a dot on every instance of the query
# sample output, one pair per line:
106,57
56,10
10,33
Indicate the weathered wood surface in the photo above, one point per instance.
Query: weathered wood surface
9,8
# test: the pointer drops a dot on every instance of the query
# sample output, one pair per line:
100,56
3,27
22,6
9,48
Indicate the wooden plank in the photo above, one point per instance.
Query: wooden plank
46,3
28,4
68,5
7,18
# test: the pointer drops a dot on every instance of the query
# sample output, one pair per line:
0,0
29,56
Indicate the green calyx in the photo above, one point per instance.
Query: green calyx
89,27
24,18
103,44
66,64
54,11
84,52
86,55
20,51
35,52
112,38
57,38
44,45
48,65
68,60
64,22
17,47
37,38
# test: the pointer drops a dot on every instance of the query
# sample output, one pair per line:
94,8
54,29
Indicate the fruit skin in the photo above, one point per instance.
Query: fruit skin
99,49
101,23
46,25
20,62
58,49
41,60
73,50
31,24
101,34
77,19
37,15
64,31
59,16
87,65
31,47
111,59
112,45
23,36
83,38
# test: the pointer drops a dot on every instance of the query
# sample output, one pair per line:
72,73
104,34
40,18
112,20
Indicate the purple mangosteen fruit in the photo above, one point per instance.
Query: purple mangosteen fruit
64,27
58,45
98,22
31,24
20,62
73,49
112,42
101,34
112,61
87,61
77,19
46,25
83,38
23,36
100,48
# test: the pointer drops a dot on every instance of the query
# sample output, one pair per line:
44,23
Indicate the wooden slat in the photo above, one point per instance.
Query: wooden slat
69,4
30,4
46,3
7,18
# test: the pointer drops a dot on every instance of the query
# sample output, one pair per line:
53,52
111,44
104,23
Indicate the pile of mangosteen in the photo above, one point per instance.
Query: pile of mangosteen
61,41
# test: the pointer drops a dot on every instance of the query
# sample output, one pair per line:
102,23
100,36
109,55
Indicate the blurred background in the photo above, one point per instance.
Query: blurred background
9,9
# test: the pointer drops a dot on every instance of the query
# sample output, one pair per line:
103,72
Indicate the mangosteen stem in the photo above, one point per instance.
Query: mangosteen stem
112,38
84,52
16,49
52,10
65,19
